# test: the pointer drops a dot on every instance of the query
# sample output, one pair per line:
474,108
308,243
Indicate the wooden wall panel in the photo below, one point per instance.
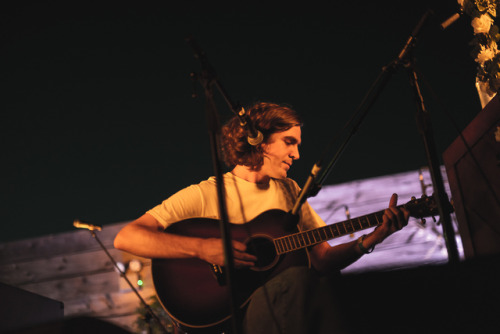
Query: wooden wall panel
67,265
55,244
75,287
73,268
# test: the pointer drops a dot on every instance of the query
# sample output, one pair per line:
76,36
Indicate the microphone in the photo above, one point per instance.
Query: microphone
79,224
254,137
449,21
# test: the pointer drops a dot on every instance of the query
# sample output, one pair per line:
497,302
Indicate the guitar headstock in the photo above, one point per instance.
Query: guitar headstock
426,206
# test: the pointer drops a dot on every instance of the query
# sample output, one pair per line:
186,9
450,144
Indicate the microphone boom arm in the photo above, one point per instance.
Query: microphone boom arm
255,137
403,58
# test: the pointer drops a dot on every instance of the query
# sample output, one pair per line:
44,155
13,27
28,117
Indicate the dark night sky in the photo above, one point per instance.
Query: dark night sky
98,122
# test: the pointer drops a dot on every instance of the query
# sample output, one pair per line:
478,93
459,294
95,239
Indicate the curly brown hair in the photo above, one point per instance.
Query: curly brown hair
267,118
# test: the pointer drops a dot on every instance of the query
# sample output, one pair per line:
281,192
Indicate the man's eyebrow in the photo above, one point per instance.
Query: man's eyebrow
291,139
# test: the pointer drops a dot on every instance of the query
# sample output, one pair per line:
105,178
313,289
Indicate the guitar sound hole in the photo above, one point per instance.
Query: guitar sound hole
263,248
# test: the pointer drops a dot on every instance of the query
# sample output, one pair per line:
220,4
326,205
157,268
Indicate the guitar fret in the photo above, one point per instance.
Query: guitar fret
374,220
333,232
352,225
330,233
360,226
308,238
285,245
362,222
316,234
327,233
286,242
342,232
296,241
350,221
324,231
279,246
304,242
320,237
276,246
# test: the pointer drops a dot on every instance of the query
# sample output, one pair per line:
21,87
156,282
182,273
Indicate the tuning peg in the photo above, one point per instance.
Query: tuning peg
434,218
413,198
422,220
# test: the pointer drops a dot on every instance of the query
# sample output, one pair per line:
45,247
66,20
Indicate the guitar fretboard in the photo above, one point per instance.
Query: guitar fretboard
305,239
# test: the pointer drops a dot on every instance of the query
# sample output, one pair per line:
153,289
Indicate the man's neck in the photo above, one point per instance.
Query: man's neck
250,175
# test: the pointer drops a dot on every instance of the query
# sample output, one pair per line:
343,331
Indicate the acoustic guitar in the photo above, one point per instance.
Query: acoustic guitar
194,293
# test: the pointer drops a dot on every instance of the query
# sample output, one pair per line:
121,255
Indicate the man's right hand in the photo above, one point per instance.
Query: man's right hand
211,251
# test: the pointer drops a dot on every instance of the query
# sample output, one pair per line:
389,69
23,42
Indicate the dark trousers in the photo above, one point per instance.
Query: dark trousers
296,301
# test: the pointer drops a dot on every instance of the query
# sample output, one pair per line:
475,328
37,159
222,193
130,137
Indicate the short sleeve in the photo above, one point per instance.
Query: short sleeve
186,203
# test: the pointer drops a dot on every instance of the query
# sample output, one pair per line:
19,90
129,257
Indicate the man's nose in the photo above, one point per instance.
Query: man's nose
295,154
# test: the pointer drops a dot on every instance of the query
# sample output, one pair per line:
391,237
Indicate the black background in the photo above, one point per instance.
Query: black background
98,122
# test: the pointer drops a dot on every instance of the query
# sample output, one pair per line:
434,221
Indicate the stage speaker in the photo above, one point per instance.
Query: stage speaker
473,169
76,325
20,308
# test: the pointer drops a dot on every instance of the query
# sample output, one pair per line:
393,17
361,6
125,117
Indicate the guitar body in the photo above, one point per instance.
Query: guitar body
194,293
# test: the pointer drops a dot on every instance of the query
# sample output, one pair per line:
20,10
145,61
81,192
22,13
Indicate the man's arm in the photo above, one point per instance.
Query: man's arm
145,237
325,258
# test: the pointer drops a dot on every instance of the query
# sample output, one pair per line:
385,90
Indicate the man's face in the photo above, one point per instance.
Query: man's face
280,151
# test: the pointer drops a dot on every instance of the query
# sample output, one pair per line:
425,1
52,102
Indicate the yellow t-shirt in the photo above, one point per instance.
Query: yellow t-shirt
244,200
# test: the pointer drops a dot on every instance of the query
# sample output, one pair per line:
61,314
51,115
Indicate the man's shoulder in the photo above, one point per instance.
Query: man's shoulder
288,183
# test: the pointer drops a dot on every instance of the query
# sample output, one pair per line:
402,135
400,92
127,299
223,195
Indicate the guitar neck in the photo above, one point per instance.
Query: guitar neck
305,239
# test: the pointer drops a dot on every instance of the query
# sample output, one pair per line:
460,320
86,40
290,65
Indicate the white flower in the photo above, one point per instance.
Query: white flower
486,53
482,24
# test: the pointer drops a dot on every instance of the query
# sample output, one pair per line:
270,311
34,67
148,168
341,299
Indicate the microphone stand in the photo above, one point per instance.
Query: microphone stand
425,128
207,79
312,186
150,311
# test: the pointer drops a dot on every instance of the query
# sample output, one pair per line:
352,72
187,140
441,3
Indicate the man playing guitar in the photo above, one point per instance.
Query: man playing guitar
256,184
